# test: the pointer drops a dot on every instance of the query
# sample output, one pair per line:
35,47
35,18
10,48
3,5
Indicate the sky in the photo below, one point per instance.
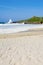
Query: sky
20,9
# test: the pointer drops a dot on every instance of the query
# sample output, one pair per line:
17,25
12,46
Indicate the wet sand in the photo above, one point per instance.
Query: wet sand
30,32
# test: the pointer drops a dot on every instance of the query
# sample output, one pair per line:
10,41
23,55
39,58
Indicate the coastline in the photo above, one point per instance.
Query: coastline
31,32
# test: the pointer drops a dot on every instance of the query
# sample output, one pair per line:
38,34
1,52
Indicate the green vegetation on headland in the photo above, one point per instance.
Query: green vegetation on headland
33,20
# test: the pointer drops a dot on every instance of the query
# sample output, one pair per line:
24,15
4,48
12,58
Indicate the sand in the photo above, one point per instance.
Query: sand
21,48
31,32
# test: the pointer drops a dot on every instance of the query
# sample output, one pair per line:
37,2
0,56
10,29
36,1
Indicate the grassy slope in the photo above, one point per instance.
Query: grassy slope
34,19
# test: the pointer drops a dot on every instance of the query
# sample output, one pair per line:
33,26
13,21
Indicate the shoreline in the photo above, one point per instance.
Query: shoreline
32,32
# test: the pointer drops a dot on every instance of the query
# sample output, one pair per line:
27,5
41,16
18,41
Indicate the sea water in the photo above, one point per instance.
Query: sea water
14,28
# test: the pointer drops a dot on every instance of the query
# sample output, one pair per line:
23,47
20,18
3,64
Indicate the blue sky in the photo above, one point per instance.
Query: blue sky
20,9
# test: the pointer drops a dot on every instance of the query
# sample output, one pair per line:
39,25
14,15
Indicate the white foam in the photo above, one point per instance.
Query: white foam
13,28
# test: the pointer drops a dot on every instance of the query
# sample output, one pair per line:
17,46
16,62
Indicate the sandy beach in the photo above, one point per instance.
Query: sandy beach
24,48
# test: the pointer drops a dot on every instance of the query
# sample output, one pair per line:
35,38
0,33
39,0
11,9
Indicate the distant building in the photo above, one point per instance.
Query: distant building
23,23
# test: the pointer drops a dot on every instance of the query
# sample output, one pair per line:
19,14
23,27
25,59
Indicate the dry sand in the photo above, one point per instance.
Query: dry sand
21,49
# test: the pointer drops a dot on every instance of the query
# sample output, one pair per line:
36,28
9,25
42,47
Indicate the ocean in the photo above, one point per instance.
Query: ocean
14,28
2,22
